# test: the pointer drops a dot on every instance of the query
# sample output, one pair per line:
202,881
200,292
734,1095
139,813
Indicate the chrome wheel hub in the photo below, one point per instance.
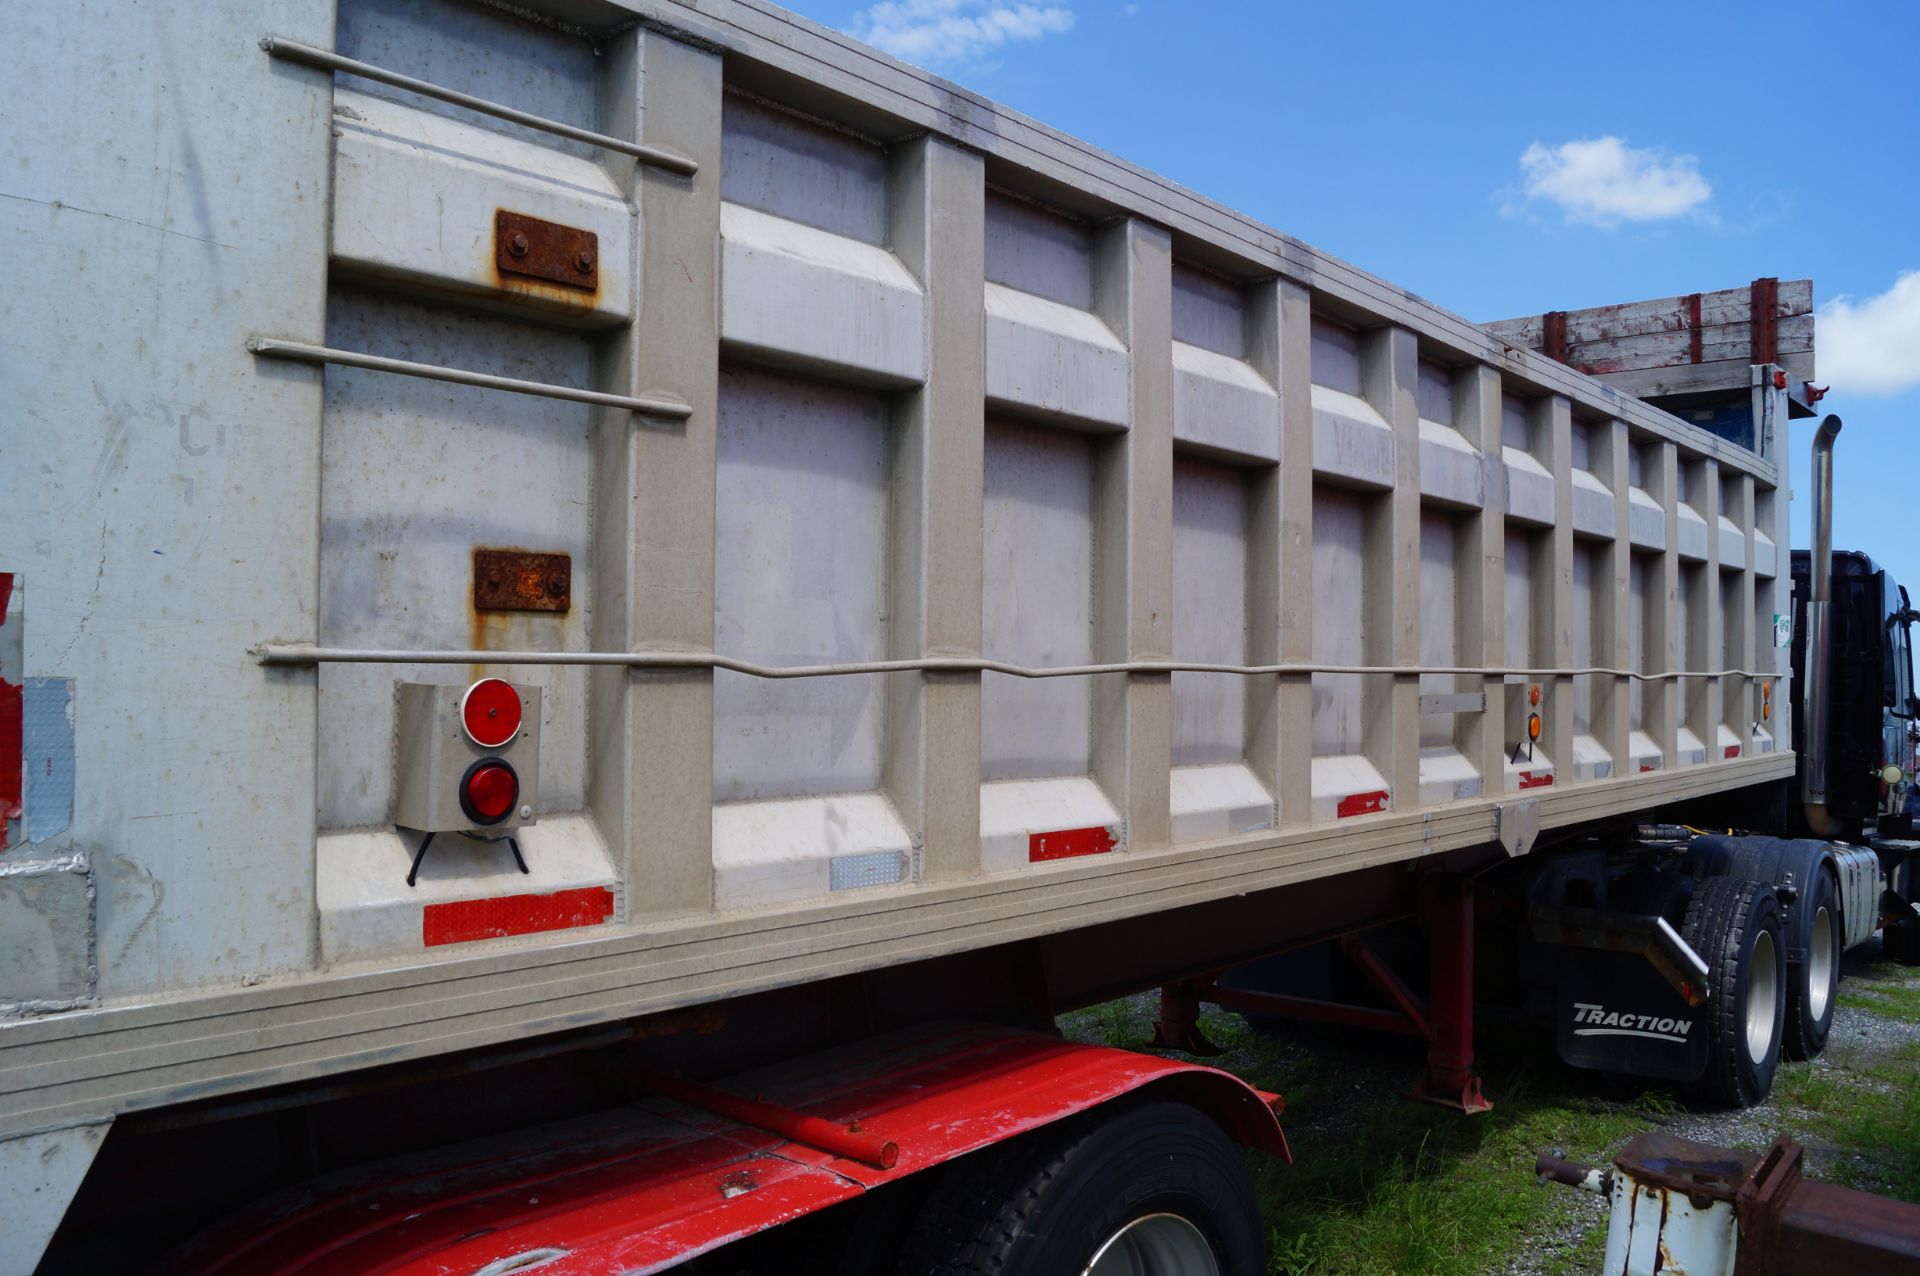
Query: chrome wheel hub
1155,1245
1763,996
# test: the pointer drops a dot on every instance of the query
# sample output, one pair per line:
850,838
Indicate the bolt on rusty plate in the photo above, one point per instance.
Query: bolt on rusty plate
537,249
521,580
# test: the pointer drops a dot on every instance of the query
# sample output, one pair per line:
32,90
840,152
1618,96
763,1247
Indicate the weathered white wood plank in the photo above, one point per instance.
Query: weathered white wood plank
1665,349
1661,314
1727,374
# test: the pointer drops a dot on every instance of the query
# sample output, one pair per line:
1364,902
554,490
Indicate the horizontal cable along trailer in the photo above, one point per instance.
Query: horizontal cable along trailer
559,555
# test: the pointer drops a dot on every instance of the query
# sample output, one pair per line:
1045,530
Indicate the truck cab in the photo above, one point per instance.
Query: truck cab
1873,723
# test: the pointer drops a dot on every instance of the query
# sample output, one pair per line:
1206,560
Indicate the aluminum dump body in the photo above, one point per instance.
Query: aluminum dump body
812,363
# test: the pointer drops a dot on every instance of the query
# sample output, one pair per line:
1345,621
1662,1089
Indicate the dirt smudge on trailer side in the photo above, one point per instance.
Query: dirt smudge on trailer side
700,1021
132,880
489,631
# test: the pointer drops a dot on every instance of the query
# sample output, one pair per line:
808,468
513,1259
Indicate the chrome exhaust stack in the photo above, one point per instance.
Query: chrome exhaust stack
1817,692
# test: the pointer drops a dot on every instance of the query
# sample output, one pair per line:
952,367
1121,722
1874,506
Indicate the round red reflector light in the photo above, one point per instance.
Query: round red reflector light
490,712
488,791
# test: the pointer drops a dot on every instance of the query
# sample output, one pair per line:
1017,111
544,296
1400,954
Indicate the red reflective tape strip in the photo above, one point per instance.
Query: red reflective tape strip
1529,780
6,594
1063,844
466,920
1361,804
1733,751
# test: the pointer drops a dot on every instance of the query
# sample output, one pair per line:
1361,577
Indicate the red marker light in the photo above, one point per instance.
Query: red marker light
490,712
488,791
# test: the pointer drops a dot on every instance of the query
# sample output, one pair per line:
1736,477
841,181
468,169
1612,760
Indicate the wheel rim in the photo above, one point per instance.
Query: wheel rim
1155,1245
1763,997
1820,965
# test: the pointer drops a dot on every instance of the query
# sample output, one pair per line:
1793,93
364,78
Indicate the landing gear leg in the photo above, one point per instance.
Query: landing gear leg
1178,1027
1449,1079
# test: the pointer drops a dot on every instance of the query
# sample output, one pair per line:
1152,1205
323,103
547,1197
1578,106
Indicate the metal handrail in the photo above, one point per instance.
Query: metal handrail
322,59
283,653
301,352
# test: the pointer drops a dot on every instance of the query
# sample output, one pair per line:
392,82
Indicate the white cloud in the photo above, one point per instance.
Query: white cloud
1603,181
949,32
1872,346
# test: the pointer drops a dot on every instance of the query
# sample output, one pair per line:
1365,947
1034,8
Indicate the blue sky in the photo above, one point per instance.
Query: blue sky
1747,140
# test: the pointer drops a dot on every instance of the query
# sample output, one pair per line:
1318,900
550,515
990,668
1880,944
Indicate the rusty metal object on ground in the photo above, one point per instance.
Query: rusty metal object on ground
1681,1206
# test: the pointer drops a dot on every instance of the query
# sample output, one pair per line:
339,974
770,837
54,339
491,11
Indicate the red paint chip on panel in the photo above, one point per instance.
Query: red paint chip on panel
1062,844
464,921
1530,780
1361,804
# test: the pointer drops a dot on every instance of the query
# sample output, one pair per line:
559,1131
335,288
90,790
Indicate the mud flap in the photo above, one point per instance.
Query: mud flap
1616,1014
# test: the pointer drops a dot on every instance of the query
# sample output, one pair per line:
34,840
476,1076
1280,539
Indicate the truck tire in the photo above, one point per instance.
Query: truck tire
1735,927
1157,1190
1813,986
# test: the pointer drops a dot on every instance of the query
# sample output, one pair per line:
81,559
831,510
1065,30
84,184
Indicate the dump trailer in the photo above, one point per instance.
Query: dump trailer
1702,946
610,604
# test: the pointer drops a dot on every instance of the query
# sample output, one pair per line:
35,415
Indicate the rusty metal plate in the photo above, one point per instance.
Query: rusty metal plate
521,580
537,249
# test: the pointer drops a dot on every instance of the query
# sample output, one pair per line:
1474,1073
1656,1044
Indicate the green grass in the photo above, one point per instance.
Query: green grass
1380,1185
1888,1000
1419,1189
1870,1111
1384,1187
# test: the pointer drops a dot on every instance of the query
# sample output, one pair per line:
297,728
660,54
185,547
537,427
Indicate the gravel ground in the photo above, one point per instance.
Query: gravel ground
1859,1039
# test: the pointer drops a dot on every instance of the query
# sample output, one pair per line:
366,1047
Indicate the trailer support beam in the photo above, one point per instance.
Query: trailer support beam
1444,1019
1178,1027
1449,1079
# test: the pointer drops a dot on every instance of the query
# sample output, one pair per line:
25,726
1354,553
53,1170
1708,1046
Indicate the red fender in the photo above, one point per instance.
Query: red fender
641,1188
